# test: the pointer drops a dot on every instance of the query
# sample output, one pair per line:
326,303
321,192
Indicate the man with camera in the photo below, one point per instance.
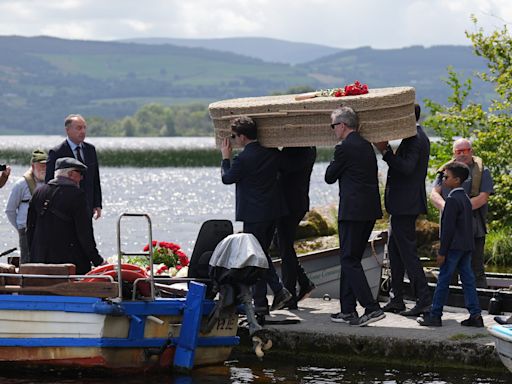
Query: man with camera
4,176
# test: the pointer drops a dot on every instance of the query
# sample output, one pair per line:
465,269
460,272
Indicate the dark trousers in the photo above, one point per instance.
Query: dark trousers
354,237
24,251
264,231
403,256
291,270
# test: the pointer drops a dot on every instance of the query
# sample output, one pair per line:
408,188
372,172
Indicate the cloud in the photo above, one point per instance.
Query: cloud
346,24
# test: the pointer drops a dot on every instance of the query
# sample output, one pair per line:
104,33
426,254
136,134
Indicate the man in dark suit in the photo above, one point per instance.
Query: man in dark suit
405,199
59,228
355,168
294,181
74,146
258,200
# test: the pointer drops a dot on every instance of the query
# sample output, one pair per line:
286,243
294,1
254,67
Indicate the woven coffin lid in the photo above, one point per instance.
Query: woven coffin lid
384,114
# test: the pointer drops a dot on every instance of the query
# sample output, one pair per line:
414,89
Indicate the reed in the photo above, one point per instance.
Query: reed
498,248
154,157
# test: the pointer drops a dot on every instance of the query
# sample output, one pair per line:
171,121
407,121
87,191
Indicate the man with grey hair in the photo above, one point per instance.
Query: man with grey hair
75,146
59,227
21,193
478,186
355,168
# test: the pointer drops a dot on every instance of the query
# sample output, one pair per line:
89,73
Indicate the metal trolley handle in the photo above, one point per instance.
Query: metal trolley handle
148,254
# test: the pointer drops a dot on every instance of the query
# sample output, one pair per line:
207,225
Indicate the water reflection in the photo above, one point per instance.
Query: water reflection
178,200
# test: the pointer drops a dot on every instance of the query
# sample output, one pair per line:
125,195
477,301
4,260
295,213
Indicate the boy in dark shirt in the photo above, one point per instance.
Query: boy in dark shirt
456,246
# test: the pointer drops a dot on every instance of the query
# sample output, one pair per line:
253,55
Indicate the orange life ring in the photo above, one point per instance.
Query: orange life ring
129,273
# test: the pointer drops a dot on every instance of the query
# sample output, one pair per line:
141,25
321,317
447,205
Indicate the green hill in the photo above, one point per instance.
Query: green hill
42,79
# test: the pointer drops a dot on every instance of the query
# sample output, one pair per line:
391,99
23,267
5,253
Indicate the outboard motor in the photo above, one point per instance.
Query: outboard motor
236,264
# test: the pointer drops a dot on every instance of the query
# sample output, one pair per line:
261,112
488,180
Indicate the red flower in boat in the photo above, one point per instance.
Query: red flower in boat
169,254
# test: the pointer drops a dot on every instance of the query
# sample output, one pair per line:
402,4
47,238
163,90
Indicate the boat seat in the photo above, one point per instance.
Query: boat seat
44,269
212,232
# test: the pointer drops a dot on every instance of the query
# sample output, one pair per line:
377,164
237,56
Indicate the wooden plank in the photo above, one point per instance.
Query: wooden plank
89,289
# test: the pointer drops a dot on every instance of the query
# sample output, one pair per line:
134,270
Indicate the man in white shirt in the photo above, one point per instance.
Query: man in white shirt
21,193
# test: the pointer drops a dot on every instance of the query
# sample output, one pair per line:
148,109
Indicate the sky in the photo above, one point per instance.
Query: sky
380,24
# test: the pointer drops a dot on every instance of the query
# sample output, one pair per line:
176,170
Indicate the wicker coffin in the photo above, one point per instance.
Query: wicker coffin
384,114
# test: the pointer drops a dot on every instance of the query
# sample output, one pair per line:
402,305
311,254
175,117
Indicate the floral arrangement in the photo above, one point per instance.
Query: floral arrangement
349,90
168,259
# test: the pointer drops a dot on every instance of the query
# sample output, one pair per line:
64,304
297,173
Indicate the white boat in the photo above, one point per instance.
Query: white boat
64,321
323,267
503,340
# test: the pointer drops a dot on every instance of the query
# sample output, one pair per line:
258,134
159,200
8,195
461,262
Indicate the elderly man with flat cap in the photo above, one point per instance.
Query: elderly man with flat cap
21,193
59,227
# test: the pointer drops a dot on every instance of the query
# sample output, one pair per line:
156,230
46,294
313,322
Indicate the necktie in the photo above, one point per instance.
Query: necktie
78,155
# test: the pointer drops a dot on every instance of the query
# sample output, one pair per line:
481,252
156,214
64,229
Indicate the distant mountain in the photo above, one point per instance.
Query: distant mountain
416,66
42,79
269,50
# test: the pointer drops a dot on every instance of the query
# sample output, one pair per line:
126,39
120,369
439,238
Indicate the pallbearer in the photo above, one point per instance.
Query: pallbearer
355,168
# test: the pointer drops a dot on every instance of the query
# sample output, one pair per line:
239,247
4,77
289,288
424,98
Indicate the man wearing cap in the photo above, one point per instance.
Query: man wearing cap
75,146
59,227
21,193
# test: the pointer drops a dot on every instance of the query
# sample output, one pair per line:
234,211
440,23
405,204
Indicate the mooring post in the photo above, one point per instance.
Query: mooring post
190,325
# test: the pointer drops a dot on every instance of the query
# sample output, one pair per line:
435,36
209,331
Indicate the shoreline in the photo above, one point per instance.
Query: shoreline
395,341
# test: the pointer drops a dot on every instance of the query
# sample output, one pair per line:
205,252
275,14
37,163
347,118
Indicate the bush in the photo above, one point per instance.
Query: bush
498,248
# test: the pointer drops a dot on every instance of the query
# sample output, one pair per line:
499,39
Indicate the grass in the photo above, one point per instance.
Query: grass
498,248
135,157
463,336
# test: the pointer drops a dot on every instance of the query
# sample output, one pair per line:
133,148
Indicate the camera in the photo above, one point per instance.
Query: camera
3,167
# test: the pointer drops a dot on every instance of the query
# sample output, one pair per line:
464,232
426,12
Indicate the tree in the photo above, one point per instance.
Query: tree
490,129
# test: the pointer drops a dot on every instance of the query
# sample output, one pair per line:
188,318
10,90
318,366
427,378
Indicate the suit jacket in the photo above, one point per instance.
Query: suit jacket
90,183
255,172
355,168
62,233
297,165
456,223
405,186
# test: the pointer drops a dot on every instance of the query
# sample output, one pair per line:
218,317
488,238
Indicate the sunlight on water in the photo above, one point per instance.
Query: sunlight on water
178,201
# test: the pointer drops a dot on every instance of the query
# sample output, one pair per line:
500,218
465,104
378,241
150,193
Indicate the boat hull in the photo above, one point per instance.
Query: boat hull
503,340
323,268
93,333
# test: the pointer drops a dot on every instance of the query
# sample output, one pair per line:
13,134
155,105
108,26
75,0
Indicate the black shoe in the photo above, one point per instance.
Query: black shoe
367,318
344,317
429,321
503,320
416,311
280,299
305,291
291,304
473,321
261,310
394,307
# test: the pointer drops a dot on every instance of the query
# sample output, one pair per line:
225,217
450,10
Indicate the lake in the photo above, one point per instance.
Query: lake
178,200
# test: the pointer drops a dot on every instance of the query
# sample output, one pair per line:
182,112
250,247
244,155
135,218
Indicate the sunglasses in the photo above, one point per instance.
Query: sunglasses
335,124
465,151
